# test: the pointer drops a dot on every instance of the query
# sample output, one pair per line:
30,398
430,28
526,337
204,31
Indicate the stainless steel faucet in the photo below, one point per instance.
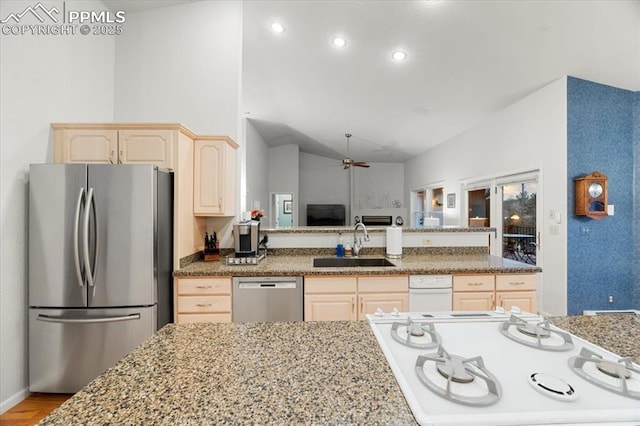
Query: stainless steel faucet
357,242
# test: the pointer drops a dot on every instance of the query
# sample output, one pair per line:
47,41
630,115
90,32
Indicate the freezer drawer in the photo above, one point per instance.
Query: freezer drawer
70,348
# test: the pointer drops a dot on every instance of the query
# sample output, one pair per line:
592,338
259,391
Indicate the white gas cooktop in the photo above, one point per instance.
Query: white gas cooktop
521,384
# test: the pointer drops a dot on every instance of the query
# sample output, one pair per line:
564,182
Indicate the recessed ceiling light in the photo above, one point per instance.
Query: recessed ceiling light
399,55
338,42
277,27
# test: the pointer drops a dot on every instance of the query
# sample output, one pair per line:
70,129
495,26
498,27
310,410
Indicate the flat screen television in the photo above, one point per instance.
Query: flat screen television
326,215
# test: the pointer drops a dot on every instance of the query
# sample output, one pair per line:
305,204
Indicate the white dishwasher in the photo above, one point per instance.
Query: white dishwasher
430,293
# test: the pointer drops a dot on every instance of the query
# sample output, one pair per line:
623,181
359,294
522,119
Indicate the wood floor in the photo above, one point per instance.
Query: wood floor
33,409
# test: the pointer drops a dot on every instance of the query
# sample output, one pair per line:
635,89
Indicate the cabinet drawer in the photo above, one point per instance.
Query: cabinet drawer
473,282
204,304
333,285
204,286
516,282
383,284
186,318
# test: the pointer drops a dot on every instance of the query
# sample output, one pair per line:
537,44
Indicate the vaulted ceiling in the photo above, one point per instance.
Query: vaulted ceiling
466,61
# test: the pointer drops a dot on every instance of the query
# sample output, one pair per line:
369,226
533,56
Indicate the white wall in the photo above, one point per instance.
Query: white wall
377,191
182,64
322,181
529,134
284,164
257,165
42,79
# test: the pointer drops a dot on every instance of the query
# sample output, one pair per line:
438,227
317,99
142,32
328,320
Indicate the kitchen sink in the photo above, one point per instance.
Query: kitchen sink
350,262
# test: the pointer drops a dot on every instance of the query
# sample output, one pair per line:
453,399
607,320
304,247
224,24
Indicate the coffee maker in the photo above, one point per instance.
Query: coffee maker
246,238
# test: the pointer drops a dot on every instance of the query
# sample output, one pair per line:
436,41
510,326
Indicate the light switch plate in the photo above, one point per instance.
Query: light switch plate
610,210
554,216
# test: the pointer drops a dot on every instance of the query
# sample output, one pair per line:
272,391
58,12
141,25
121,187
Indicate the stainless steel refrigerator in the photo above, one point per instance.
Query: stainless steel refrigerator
100,267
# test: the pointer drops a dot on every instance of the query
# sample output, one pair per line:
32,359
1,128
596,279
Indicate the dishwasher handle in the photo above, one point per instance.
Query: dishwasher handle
268,286
447,290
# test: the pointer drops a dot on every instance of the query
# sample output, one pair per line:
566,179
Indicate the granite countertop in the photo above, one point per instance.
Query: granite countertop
273,373
254,373
283,265
619,333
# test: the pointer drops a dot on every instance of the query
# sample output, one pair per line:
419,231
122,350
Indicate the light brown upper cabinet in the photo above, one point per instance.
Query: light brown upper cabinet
109,143
214,176
167,145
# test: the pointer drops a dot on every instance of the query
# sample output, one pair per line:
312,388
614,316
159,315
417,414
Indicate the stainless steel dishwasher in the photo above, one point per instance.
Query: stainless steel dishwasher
267,299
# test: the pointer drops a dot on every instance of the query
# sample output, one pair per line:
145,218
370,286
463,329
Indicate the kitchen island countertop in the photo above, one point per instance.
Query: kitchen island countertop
275,373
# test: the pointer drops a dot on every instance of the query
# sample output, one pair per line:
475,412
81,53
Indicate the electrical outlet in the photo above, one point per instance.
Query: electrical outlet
584,230
426,242
610,299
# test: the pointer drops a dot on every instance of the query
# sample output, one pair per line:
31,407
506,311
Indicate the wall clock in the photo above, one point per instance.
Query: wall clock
591,195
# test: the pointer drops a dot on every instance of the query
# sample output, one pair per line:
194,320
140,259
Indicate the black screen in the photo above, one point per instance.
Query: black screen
325,215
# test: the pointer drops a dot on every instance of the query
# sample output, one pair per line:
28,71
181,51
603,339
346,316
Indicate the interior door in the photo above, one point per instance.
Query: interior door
125,200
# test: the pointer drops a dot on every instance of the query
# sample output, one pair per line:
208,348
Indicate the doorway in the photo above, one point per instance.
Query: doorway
508,203
519,213
282,210
479,204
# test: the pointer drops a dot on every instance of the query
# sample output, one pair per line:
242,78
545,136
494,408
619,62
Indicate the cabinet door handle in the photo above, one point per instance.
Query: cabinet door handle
111,157
516,282
493,302
204,286
353,305
121,156
203,305
474,284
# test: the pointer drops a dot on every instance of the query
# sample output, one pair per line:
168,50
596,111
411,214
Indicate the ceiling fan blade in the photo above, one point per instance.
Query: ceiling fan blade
361,164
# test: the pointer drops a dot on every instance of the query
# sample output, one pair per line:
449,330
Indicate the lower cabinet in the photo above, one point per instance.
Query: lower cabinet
516,290
206,299
487,292
382,292
331,298
477,301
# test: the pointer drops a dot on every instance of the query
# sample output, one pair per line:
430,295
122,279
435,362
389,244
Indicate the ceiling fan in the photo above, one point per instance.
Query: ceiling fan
348,162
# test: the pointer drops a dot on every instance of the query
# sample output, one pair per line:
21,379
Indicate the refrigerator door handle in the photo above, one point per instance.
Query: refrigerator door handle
88,264
87,320
76,225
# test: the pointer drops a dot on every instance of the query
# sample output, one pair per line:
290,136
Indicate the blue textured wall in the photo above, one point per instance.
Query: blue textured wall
601,136
636,198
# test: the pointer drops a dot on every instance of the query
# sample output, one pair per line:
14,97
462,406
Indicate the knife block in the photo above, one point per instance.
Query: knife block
211,254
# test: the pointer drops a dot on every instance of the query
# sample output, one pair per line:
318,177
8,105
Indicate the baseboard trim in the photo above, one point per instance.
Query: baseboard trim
14,400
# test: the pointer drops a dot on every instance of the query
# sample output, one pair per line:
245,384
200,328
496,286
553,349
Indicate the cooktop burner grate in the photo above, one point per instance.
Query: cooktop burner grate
622,377
416,335
539,336
462,380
